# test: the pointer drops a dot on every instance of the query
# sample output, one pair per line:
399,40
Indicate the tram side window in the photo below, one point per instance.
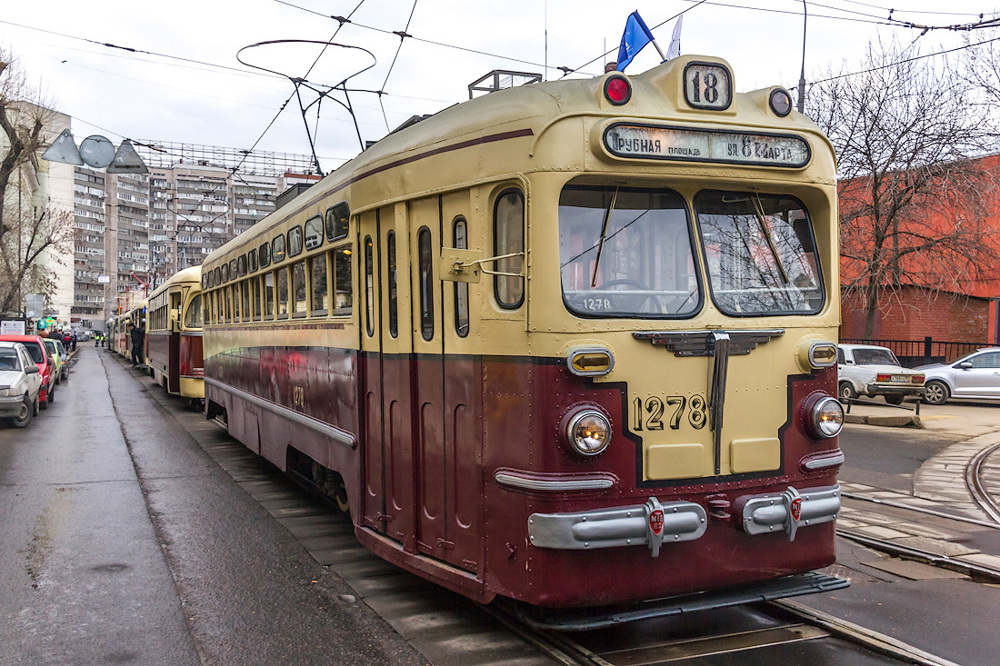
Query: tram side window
393,280
245,302
252,258
192,318
234,271
264,252
342,287
508,239
255,297
760,253
217,276
278,249
425,283
314,232
241,265
299,289
282,293
269,296
369,288
320,288
295,241
460,233
336,221
229,304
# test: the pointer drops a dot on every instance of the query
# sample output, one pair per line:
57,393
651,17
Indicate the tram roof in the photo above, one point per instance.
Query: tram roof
536,106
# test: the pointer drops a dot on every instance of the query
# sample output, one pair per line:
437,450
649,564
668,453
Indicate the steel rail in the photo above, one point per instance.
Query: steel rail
858,635
974,480
919,509
976,571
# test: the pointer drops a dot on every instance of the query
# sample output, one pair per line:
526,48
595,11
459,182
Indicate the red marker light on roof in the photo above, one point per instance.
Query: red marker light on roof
617,90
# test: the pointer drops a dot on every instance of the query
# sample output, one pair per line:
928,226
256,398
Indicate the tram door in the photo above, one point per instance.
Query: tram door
386,344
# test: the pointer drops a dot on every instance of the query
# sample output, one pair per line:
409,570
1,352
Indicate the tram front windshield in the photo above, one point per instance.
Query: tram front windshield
629,252
626,253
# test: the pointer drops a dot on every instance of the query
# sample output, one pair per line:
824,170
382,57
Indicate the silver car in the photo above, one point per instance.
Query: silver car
976,376
20,384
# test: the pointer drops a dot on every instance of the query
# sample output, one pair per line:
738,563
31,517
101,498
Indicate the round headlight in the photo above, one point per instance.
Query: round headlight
827,418
588,432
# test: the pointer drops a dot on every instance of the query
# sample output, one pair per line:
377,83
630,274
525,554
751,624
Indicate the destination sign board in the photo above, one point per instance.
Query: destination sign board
696,145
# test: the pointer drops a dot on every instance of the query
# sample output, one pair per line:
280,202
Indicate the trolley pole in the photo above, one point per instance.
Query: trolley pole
802,73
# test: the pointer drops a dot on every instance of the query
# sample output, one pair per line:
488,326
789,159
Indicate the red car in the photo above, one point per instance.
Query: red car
46,366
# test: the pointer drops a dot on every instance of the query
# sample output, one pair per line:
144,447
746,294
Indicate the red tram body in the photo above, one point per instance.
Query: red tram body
555,345
174,351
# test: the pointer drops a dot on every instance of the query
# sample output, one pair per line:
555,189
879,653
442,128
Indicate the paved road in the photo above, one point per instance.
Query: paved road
118,549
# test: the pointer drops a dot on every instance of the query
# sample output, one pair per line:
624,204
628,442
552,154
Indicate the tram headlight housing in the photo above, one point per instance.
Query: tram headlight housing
824,417
587,431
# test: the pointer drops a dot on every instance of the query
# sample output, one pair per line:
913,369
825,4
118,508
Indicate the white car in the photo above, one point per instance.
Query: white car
976,376
871,370
20,383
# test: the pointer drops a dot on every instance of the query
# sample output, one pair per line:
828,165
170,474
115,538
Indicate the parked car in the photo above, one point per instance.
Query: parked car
871,370
20,384
59,358
976,376
46,366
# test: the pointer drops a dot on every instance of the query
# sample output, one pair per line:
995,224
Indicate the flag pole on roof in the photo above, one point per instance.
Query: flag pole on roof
634,39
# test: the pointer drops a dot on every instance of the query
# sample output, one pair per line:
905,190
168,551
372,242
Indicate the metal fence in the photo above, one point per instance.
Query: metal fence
912,353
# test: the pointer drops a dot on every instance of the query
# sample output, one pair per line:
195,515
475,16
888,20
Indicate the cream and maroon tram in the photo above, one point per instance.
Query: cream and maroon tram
570,343
174,335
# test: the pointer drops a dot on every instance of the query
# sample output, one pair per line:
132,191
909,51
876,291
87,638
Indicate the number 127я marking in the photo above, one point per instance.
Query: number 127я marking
649,414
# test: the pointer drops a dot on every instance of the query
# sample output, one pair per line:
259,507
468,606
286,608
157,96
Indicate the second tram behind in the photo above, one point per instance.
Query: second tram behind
571,344
174,335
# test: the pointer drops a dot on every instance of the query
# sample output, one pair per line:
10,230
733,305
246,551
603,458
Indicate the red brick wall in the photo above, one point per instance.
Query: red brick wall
912,313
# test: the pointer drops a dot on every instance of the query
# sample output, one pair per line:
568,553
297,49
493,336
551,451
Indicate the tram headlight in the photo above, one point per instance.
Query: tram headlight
588,431
824,417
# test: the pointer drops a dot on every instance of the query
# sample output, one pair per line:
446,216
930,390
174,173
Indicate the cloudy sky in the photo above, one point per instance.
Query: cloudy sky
184,71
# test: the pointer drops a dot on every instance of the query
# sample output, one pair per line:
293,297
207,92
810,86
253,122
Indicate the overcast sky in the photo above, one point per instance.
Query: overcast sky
184,81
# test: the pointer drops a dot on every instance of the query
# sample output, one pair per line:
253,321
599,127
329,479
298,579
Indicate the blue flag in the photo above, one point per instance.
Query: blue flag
636,36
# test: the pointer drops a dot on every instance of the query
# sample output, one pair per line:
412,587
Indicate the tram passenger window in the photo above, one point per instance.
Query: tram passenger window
460,239
193,315
252,259
241,265
255,298
225,273
425,283
264,252
234,271
245,302
314,232
299,289
295,241
393,280
336,221
269,296
217,276
282,293
278,249
508,239
318,275
229,304
343,300
626,252
369,288
760,253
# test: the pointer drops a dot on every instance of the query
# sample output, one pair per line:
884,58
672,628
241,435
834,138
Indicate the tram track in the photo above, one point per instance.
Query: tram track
976,485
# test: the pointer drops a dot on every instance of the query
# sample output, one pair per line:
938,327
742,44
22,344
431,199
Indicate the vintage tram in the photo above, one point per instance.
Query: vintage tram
174,335
570,344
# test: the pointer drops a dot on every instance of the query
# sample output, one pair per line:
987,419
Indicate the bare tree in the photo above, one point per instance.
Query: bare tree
914,191
27,231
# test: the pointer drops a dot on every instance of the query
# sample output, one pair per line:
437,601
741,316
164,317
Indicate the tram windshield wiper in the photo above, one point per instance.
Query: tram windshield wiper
604,233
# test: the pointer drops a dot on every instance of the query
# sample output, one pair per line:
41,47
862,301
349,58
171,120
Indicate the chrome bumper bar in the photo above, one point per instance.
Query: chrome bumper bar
790,510
648,524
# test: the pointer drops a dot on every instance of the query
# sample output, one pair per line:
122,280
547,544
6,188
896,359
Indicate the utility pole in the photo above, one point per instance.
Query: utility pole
802,73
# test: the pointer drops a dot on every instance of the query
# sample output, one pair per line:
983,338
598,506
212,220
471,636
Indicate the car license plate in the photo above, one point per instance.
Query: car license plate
900,379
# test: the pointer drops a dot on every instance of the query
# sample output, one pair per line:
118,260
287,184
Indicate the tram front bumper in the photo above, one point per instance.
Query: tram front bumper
648,524
789,510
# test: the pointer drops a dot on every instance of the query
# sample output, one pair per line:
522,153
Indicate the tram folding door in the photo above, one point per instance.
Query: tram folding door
417,407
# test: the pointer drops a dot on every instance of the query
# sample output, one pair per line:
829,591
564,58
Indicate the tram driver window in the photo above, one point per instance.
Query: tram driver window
508,239
343,288
626,252
760,253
